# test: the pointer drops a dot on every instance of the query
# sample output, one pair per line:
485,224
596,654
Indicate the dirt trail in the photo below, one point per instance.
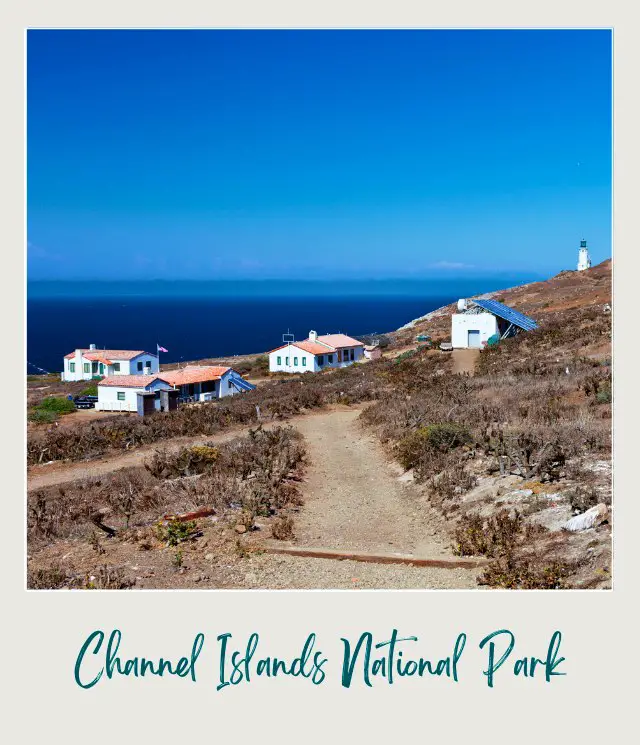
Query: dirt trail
353,497
356,500
465,360
61,472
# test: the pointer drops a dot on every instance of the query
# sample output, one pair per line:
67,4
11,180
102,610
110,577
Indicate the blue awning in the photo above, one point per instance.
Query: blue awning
241,384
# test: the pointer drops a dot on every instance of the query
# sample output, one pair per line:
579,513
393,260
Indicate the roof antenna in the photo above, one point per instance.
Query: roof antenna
288,338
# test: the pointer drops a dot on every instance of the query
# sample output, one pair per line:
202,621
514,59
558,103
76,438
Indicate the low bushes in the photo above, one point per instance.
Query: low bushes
50,409
443,437
493,536
511,573
256,473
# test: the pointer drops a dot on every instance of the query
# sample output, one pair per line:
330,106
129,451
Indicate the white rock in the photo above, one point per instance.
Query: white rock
588,519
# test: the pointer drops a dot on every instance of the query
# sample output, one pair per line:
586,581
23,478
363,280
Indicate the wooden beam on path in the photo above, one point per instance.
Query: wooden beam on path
339,555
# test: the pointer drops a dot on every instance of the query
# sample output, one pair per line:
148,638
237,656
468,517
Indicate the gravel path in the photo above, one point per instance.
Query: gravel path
355,499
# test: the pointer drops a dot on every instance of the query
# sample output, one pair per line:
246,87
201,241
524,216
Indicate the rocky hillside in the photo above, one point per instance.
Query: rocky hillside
544,301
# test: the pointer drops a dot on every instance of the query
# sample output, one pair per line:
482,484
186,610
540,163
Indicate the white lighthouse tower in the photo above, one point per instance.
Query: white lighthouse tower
584,260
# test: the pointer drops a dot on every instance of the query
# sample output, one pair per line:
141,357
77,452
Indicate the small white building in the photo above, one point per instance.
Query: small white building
120,393
372,351
316,353
584,260
194,383
86,364
478,320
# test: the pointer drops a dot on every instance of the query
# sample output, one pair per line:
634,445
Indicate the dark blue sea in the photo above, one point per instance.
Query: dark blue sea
194,320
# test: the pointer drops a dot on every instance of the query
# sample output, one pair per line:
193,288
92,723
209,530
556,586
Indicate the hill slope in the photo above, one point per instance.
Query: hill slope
544,301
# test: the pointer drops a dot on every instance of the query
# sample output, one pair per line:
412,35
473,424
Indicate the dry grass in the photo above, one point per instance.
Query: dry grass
240,480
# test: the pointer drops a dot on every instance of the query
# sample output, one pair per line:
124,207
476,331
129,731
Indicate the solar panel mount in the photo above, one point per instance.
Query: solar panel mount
508,314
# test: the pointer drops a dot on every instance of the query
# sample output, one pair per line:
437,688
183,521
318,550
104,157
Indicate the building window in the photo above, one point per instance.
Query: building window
72,367
286,360
320,360
295,362
120,395
330,359
304,362
279,360
352,353
86,367
139,366
116,367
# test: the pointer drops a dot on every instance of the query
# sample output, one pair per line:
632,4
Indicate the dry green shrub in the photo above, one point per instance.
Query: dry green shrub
108,577
492,536
413,448
282,528
449,484
511,573
188,461
174,532
47,578
582,498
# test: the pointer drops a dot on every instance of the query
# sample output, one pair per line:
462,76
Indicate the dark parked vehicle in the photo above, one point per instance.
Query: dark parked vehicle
85,402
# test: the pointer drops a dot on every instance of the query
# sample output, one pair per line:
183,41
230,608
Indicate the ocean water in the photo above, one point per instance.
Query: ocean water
194,320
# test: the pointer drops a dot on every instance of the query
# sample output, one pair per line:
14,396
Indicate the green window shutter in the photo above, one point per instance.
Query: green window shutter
304,362
120,395
87,367
72,367
295,361
279,360
286,360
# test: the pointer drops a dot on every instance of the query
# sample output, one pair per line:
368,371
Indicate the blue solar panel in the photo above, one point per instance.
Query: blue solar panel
242,384
517,319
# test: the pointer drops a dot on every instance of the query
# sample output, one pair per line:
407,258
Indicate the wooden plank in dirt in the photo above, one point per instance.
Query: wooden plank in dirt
339,555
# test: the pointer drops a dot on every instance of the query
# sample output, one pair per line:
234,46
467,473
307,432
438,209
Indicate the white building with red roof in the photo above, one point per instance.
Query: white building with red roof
193,383
316,353
86,364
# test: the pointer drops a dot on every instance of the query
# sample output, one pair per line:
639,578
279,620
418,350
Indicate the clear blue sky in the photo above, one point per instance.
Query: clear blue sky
257,154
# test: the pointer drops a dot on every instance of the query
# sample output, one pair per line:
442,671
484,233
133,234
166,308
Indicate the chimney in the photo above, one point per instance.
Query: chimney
78,361
313,335
92,346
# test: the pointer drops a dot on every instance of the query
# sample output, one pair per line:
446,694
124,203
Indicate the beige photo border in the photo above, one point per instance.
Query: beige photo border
44,630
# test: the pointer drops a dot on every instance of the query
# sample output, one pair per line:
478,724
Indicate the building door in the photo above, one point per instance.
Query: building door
473,339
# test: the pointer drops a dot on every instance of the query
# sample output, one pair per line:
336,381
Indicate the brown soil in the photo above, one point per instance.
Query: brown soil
465,360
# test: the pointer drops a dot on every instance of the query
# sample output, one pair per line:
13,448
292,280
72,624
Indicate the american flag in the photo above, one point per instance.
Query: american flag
161,349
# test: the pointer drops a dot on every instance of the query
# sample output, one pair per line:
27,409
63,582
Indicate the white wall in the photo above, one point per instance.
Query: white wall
108,396
462,323
312,361
291,354
127,367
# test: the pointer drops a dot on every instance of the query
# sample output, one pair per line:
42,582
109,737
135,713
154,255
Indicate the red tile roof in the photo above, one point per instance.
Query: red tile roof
113,354
131,381
194,374
327,344
339,340
307,346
